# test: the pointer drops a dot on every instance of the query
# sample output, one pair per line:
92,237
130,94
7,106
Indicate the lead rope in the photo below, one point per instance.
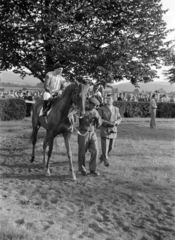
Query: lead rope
73,124
71,113
80,132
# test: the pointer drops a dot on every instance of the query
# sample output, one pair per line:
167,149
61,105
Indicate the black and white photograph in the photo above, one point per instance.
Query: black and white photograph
87,120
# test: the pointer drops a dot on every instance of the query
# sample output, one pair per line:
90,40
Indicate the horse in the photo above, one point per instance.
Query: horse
57,121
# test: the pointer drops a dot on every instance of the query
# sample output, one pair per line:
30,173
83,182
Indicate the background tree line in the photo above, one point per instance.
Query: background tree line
103,39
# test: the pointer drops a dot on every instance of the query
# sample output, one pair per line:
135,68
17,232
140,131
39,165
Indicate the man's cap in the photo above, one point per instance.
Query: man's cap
59,70
83,79
58,65
94,101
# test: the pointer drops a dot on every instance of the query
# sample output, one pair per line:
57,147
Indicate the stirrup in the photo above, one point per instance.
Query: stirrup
44,114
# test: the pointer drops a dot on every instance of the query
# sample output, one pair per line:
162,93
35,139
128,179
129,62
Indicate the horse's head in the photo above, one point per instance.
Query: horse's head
79,99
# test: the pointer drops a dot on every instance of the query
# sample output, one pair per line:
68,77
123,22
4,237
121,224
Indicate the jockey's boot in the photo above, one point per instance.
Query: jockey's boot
45,108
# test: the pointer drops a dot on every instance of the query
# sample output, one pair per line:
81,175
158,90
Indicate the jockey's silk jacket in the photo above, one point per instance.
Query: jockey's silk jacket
53,82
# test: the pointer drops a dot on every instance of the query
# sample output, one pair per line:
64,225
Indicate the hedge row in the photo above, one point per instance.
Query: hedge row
15,109
141,109
12,109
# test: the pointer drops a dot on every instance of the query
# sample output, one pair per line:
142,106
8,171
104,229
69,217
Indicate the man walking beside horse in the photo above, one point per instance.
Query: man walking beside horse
111,118
87,138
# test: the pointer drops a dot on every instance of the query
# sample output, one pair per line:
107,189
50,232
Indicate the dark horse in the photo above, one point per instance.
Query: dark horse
58,122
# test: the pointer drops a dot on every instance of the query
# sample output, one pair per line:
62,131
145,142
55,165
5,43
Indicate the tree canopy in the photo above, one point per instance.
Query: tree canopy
103,39
170,61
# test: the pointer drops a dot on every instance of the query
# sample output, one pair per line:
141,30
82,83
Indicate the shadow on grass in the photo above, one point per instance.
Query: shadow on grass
40,177
145,133
39,171
15,149
164,168
114,187
55,153
34,165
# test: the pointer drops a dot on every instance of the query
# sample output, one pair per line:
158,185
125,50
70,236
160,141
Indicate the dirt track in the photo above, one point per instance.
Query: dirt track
104,208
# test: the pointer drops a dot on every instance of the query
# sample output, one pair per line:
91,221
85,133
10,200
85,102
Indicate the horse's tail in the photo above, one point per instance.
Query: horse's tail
32,134
35,121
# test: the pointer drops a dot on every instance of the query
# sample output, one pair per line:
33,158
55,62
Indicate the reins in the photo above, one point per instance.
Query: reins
80,132
72,113
75,102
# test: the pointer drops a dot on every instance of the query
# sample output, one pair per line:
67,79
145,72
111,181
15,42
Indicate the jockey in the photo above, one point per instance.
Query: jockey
53,85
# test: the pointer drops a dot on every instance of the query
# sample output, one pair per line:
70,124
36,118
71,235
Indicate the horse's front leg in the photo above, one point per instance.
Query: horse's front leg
69,153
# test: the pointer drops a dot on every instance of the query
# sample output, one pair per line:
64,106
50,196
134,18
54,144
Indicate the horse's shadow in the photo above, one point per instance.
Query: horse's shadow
55,153
33,165
41,177
34,171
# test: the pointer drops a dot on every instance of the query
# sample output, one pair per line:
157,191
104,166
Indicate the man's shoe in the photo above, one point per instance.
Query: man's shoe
83,173
101,159
106,164
94,173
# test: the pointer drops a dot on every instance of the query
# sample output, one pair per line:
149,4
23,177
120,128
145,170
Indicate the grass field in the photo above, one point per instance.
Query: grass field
133,199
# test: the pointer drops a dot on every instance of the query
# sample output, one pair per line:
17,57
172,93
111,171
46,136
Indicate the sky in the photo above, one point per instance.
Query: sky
169,18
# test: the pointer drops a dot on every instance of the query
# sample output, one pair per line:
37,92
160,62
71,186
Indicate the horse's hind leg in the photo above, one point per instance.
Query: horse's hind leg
45,144
48,142
69,153
34,139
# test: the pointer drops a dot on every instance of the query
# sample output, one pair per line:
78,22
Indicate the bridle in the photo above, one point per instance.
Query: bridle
75,95
74,109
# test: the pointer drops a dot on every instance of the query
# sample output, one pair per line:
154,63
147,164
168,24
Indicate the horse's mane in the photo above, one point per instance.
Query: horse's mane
68,90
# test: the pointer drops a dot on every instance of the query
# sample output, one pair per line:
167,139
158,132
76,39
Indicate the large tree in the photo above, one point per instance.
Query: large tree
170,61
109,39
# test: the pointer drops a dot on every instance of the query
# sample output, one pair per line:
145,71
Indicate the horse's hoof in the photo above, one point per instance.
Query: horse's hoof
48,172
74,178
32,159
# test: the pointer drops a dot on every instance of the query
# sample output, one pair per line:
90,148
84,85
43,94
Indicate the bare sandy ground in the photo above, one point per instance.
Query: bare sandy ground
107,207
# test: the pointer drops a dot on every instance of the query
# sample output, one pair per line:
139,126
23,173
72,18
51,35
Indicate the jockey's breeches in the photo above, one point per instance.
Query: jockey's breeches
46,95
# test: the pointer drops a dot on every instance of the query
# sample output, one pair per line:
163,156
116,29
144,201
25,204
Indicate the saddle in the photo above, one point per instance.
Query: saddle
50,104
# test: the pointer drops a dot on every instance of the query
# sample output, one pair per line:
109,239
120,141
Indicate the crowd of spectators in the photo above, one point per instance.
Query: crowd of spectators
139,97
29,96
122,96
